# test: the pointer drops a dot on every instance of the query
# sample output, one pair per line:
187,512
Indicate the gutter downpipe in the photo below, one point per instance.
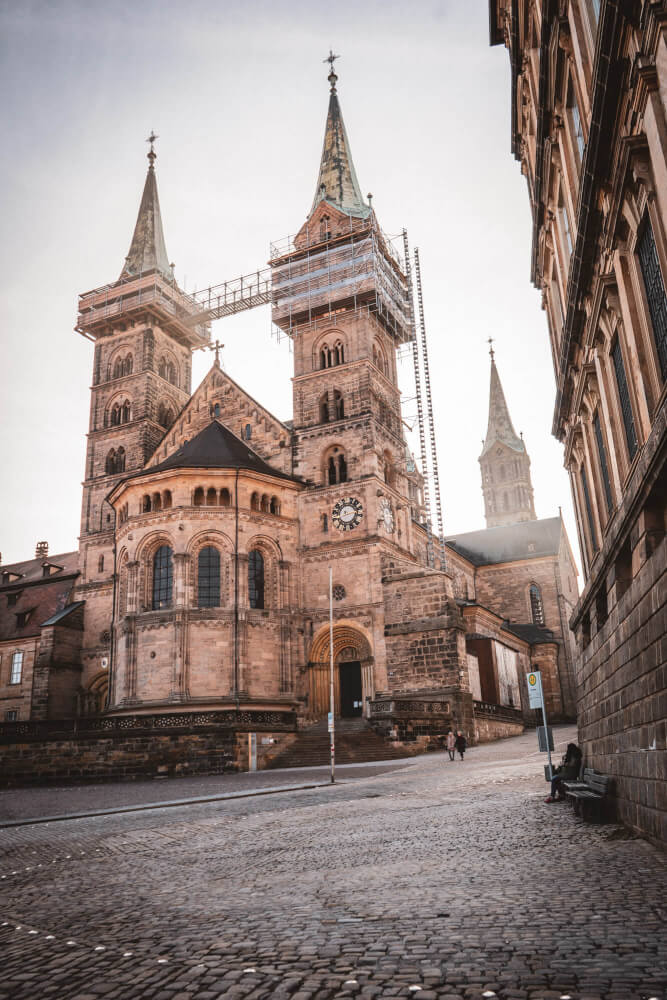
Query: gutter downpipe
236,594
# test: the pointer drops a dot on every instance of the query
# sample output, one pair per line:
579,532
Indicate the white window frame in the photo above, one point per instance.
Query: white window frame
16,667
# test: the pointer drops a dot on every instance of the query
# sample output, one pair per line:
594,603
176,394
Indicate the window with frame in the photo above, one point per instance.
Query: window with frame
649,264
589,510
602,456
256,579
536,606
208,578
163,577
624,399
16,671
575,120
565,226
11,715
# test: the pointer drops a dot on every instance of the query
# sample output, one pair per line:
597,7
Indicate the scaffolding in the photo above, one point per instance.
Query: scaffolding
318,275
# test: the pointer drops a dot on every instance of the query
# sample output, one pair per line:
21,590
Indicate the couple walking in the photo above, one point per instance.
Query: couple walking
457,742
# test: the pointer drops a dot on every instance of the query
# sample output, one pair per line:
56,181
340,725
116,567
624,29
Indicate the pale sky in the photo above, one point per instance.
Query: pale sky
237,92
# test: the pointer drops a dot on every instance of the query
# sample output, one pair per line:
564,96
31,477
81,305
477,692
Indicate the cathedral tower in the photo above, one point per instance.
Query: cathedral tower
141,381
506,483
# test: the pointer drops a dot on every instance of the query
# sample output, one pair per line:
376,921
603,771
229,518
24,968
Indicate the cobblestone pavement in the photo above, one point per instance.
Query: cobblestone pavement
57,800
452,877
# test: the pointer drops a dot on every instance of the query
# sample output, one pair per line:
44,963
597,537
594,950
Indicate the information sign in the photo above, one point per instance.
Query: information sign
535,689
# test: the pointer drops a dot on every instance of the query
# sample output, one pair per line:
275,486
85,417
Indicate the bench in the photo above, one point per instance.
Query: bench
588,792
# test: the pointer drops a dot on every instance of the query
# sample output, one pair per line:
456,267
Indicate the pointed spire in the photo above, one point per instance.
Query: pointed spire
500,423
147,251
337,181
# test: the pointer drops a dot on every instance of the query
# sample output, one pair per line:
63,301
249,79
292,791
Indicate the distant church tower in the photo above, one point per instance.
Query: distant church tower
506,483
141,381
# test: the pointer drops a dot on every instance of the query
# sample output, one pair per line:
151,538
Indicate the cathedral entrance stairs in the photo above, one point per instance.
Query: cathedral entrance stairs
356,743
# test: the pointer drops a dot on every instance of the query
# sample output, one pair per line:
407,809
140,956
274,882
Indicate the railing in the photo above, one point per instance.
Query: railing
114,726
505,712
413,707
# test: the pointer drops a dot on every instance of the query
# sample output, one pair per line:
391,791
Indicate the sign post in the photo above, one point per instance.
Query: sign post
331,680
536,700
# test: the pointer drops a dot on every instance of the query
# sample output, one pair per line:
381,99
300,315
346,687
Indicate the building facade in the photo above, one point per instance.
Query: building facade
209,526
589,128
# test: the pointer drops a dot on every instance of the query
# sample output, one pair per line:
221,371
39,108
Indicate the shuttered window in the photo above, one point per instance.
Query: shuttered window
624,397
655,292
604,467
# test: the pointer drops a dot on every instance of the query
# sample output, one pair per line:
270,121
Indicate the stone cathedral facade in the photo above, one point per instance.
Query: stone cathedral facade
208,525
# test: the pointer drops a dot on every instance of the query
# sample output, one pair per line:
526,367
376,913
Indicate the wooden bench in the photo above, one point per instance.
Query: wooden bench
588,792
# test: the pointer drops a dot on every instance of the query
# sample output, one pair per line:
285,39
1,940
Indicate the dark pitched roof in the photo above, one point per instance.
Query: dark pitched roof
65,613
42,596
534,634
509,543
215,447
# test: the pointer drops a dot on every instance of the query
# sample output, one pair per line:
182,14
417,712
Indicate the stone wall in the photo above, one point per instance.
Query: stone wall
492,723
623,700
130,748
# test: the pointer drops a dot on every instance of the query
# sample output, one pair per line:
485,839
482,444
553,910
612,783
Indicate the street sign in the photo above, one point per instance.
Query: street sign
535,698
331,722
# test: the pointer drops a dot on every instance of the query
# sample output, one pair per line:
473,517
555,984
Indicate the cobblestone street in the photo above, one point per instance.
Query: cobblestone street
434,879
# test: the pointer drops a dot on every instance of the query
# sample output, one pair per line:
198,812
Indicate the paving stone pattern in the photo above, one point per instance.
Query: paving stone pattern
452,877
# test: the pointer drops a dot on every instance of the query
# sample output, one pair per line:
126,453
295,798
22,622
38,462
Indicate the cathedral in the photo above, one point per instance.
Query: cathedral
209,526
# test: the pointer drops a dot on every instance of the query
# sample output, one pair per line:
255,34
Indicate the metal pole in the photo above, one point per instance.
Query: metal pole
546,731
331,679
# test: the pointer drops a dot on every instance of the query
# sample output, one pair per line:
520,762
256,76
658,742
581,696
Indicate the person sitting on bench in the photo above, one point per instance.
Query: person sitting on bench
568,768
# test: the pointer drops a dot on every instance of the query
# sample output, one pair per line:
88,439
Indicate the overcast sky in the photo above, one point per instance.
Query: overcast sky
237,92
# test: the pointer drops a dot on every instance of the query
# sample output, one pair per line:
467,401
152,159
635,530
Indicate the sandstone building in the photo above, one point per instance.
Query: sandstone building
589,128
208,525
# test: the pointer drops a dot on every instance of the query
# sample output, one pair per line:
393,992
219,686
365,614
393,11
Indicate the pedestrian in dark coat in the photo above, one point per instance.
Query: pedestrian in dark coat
460,743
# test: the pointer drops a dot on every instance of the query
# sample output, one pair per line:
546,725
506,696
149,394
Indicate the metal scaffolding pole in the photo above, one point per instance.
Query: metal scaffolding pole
429,406
420,405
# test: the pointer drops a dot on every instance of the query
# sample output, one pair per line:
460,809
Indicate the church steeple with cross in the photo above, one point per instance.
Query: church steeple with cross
506,482
148,251
337,181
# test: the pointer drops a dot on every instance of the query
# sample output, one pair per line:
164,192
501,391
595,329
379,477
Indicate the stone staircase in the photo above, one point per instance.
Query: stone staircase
356,743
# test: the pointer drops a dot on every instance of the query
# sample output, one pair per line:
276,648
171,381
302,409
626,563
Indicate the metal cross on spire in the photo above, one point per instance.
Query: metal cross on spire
331,58
217,347
152,155
491,351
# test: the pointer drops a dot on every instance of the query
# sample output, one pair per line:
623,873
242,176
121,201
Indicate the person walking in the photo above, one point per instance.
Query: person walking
460,743
451,744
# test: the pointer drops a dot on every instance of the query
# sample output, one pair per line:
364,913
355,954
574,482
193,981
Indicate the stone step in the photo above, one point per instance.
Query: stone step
355,740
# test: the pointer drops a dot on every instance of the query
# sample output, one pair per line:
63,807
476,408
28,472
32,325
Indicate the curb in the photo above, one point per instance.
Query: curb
169,804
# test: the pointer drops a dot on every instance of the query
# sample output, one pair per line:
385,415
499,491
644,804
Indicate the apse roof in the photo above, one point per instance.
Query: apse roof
216,447
509,543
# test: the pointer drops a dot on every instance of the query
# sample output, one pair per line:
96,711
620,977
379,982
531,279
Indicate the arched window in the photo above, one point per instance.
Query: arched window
216,409
324,228
110,464
266,505
225,497
171,373
116,414
254,502
208,578
389,470
163,578
324,409
167,370
536,606
338,405
325,523
128,365
165,415
339,353
198,499
337,469
120,460
325,356
248,432
256,579
274,506
157,501
100,564
211,497
379,359
146,504
127,411
166,499
118,368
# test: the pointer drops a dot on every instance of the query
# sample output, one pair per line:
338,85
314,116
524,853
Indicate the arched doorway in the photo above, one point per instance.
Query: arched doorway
353,671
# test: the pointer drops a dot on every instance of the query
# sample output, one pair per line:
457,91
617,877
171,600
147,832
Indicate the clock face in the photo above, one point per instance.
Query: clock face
387,515
347,513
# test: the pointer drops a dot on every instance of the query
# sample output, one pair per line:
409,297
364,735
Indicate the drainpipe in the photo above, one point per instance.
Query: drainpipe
236,594
113,615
